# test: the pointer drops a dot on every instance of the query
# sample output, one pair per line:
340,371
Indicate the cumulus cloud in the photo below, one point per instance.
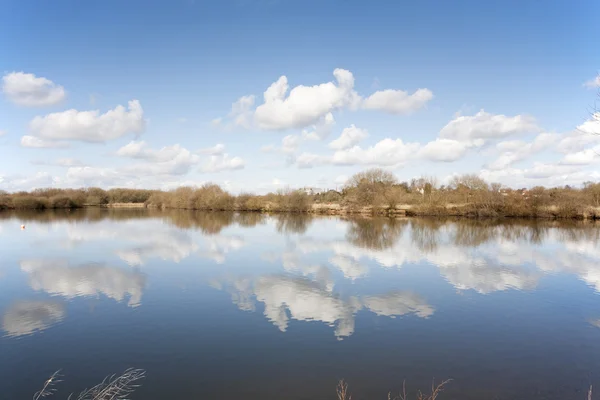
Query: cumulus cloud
242,113
546,174
26,317
94,176
483,125
38,180
31,91
398,101
169,160
445,150
593,83
291,143
37,143
305,105
387,152
583,157
140,150
350,136
217,149
90,126
321,129
513,151
61,162
223,162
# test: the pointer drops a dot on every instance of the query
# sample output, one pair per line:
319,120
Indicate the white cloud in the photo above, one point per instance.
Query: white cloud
321,130
398,101
305,105
387,152
576,141
309,160
308,105
593,83
140,150
218,148
549,175
350,136
445,150
61,162
223,162
169,160
28,317
341,179
291,143
516,150
94,176
37,143
484,125
38,180
90,126
30,91
242,111
583,157
592,125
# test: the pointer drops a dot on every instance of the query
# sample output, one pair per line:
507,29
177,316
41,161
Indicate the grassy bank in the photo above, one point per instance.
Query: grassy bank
374,191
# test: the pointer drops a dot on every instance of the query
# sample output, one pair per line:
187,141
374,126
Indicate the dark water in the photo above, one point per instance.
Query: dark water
223,306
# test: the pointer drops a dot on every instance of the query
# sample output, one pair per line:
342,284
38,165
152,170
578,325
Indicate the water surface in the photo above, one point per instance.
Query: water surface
224,306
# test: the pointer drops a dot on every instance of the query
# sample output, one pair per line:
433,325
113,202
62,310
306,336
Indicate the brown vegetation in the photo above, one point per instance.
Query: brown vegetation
344,394
374,191
113,387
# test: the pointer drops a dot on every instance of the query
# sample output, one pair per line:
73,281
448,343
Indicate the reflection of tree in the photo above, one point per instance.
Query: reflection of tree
27,317
210,223
293,223
474,233
250,219
376,233
425,233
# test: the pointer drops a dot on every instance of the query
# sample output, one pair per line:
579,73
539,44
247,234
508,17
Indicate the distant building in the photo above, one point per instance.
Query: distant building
311,190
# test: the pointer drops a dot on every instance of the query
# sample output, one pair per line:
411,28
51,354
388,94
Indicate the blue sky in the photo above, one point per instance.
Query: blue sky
421,88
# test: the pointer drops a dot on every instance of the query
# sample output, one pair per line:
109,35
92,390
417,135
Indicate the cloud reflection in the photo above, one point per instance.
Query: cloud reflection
26,317
57,277
299,298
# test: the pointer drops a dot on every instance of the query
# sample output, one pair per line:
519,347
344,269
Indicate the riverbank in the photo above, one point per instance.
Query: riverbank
372,192
403,210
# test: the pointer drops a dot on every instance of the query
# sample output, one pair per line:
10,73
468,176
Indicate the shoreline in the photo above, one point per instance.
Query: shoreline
470,211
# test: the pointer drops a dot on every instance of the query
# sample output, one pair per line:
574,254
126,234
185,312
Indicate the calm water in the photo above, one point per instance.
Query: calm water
223,306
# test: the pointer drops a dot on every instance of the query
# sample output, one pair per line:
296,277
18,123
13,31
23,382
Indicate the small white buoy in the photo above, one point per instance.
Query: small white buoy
22,227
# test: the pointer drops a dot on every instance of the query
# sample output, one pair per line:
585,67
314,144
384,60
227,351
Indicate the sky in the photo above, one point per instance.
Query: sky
257,95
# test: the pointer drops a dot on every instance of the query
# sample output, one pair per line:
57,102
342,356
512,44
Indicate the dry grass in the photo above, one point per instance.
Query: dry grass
344,394
113,387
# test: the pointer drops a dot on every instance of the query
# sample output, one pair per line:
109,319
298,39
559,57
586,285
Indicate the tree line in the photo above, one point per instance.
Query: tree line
374,191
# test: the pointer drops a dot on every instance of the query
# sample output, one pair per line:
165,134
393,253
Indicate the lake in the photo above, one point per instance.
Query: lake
248,306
